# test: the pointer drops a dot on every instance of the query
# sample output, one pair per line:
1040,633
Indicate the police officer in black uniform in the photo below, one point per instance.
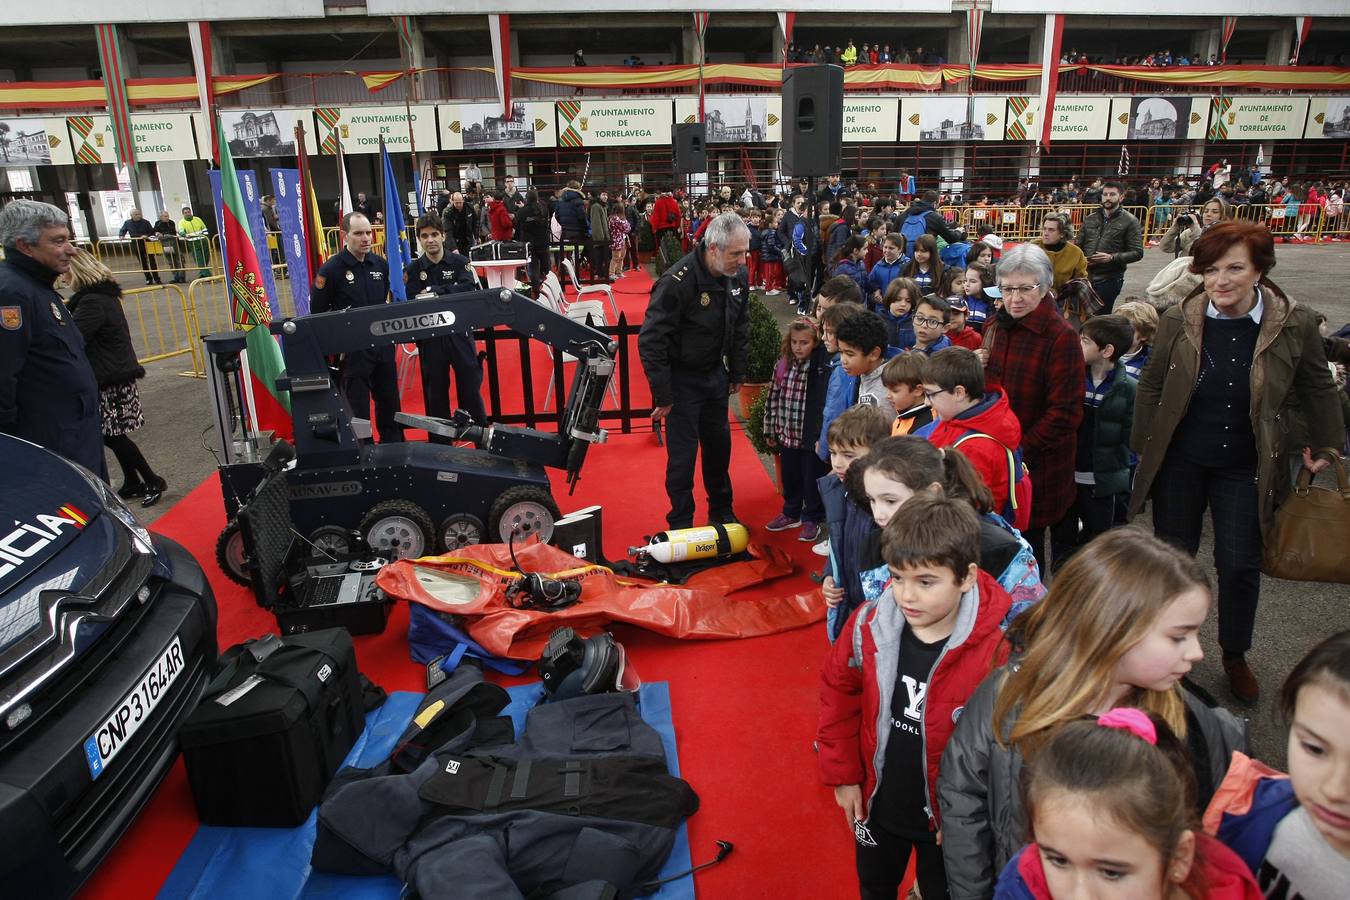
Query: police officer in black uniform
357,277
48,393
445,273
693,346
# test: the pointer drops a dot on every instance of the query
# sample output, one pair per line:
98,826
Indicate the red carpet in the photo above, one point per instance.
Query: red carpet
744,711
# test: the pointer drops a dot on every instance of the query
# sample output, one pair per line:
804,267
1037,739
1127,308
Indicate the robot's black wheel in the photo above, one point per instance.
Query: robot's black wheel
460,530
398,529
525,509
231,555
333,539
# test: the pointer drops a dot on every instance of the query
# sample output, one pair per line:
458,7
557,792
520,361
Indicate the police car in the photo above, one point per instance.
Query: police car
107,639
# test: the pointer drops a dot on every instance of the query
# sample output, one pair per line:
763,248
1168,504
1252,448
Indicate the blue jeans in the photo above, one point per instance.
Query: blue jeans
1108,289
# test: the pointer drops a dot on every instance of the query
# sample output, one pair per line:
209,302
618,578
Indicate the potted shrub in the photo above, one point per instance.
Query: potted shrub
765,345
754,430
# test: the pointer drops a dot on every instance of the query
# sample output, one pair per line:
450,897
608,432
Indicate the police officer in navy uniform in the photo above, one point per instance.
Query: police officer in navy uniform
445,273
693,346
48,393
357,277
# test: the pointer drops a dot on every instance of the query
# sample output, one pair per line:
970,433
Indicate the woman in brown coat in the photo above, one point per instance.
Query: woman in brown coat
1212,412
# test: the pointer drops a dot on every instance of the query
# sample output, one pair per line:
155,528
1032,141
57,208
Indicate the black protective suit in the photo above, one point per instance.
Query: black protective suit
583,800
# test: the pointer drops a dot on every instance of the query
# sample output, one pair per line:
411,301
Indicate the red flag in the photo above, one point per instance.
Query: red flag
1054,26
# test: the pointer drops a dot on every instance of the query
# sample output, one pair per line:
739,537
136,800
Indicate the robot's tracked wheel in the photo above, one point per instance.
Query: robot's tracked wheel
527,511
460,530
398,529
231,555
332,539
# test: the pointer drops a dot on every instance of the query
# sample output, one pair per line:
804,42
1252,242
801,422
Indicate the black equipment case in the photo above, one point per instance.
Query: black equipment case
272,728
498,251
281,565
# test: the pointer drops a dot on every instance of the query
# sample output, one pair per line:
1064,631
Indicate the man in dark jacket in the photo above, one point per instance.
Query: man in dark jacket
800,241
138,229
933,221
1111,239
48,393
693,347
575,224
513,198
461,223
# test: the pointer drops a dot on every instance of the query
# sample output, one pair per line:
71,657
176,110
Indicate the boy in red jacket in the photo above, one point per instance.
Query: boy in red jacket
894,685
979,423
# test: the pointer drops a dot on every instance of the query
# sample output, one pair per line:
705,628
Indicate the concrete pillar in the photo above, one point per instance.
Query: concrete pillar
688,46
1037,49
958,42
414,57
1193,158
952,174
173,188
1280,46
779,45
1205,43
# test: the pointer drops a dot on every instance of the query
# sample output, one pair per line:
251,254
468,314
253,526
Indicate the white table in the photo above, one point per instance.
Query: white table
498,273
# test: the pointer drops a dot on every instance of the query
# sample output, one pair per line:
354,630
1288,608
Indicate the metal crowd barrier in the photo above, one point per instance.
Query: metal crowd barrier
159,319
207,310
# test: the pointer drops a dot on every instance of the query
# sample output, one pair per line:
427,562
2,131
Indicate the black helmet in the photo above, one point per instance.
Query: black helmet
572,666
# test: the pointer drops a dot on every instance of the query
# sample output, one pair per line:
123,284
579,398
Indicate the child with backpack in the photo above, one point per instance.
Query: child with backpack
792,417
890,692
981,424
886,270
1294,830
978,277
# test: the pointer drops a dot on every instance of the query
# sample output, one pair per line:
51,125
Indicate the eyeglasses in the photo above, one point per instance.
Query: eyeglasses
1023,289
927,322
929,395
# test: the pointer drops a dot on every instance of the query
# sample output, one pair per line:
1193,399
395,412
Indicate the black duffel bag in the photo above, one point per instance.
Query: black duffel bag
498,250
272,728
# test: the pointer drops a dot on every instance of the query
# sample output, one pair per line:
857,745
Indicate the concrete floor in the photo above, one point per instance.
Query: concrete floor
1293,616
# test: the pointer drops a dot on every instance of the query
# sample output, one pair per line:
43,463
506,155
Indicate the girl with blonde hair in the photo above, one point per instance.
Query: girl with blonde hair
1119,627
96,307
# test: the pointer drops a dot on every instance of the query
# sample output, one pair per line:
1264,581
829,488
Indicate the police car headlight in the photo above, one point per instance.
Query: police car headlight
114,505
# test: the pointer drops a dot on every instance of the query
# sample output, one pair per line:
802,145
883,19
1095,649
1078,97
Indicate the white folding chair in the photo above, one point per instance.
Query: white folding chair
551,293
579,311
582,291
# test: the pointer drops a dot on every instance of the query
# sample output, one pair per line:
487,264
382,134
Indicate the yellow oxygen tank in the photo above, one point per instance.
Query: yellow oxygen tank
684,544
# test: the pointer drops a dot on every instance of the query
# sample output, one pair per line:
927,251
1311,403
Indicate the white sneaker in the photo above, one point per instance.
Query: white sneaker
774,293
821,548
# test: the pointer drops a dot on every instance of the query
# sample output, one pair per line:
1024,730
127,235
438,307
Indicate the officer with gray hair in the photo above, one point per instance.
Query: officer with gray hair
694,349
48,393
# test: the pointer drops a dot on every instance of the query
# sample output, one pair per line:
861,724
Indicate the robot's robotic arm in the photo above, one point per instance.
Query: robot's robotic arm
323,420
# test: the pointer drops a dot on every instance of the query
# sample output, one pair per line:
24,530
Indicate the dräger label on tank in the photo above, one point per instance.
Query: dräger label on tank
419,322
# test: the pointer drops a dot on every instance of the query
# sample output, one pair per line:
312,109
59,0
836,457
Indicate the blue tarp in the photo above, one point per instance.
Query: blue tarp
252,863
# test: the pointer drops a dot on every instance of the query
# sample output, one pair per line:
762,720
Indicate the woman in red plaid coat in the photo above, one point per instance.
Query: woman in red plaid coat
1033,354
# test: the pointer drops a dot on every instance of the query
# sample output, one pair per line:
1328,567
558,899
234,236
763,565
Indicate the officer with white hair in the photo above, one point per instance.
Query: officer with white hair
694,349
48,393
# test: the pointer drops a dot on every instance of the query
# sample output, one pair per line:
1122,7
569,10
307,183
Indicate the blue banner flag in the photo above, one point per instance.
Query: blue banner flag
248,188
286,188
395,233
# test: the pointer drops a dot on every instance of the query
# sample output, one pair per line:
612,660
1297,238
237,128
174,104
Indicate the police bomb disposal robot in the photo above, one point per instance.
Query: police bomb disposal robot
416,498
107,639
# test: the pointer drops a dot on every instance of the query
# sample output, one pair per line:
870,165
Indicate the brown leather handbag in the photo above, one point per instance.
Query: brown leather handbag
1310,540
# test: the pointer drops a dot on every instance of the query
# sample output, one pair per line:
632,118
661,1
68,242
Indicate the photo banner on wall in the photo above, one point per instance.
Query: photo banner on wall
35,142
1167,117
1328,117
286,188
257,132
248,189
739,120
481,126
1257,118
360,128
952,118
614,123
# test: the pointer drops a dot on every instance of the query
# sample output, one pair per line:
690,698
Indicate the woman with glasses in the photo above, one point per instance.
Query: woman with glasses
1034,356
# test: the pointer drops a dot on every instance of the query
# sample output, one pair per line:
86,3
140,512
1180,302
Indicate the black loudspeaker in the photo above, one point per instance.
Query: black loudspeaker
813,120
691,148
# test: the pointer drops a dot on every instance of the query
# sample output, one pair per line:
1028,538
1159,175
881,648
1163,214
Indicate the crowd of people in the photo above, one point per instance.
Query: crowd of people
933,437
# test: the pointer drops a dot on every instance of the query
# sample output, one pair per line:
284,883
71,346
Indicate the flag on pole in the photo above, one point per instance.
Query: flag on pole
395,232
115,87
499,29
1260,156
1229,26
1123,168
1302,25
249,308
786,21
1054,39
975,25
344,187
700,29
199,36
310,221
